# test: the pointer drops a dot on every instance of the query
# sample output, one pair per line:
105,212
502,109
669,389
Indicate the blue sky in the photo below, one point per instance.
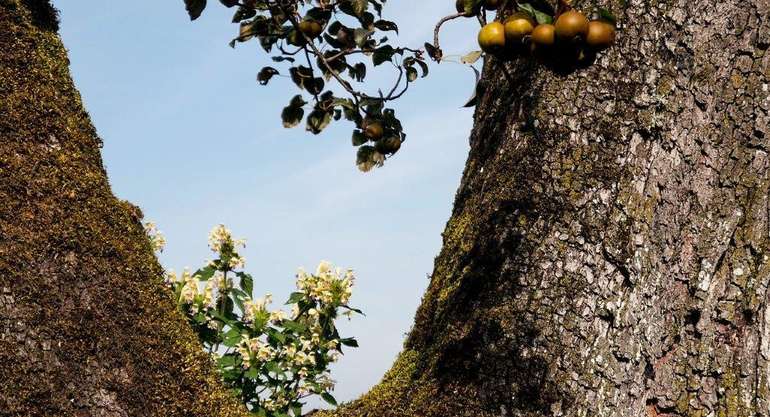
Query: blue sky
191,138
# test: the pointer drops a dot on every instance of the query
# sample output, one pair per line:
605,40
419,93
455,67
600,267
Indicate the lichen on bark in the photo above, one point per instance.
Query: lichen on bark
607,253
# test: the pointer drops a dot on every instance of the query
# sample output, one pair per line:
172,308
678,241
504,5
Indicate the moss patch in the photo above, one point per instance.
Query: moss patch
86,326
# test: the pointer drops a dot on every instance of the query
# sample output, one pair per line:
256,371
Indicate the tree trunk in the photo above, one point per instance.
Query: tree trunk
607,254
86,327
608,250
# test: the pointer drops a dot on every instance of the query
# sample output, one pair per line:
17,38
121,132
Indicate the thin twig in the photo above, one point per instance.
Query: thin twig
438,29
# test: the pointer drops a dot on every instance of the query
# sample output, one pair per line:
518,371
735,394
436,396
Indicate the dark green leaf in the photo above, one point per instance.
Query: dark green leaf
293,113
349,342
359,138
385,25
233,337
194,8
266,74
607,15
205,273
295,297
247,283
328,398
433,52
294,326
242,14
541,17
411,74
317,120
383,54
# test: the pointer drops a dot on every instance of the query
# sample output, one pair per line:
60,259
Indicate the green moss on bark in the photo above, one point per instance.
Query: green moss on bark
86,326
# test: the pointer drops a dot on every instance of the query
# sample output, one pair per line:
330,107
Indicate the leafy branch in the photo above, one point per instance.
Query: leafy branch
340,40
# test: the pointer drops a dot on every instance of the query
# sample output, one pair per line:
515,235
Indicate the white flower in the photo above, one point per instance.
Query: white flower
189,291
252,308
277,316
307,345
157,240
323,268
237,262
221,236
325,382
170,278
208,295
265,353
218,236
333,356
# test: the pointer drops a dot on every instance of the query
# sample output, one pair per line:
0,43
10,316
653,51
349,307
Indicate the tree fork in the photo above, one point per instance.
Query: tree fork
607,254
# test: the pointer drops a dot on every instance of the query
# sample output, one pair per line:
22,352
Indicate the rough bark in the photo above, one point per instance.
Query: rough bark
86,327
608,250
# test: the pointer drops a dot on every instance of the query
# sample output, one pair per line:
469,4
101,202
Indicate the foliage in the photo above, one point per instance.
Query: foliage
270,359
327,40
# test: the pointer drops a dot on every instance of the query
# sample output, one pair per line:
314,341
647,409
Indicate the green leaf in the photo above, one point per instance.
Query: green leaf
433,52
471,7
195,8
607,15
295,297
293,113
411,74
252,373
273,367
354,8
317,120
360,36
385,25
328,398
471,57
354,310
266,74
243,14
205,273
232,337
349,342
359,138
247,282
541,17
294,326
227,360
276,335
383,54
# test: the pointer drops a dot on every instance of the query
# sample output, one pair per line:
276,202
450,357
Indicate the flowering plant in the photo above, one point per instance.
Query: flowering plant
272,360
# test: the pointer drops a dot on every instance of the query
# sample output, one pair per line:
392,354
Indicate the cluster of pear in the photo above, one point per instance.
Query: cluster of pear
571,30
374,130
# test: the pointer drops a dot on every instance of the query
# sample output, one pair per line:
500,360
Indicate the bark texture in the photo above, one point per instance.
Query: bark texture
86,327
608,250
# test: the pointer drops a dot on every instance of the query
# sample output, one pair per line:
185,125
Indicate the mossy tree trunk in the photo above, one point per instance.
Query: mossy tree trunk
608,250
607,254
86,327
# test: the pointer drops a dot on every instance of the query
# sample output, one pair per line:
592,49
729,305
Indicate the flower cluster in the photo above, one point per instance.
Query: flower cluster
157,240
328,285
270,359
